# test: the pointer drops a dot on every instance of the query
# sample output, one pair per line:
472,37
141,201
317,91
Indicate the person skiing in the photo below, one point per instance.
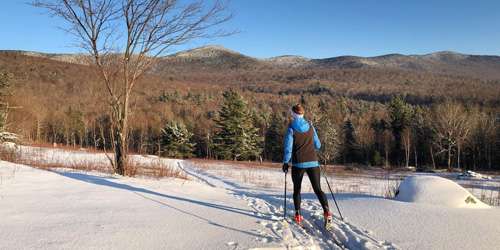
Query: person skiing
300,145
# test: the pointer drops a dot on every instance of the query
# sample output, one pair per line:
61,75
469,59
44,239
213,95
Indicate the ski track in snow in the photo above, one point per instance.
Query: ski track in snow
269,206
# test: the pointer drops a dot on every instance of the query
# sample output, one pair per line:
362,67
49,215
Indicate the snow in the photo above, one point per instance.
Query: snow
75,210
226,206
368,215
423,226
473,175
436,190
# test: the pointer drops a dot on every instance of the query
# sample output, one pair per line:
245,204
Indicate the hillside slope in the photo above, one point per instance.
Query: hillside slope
212,57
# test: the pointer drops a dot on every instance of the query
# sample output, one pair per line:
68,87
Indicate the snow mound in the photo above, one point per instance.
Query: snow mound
436,190
473,175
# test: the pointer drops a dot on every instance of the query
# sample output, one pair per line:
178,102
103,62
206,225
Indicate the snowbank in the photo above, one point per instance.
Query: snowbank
473,175
436,190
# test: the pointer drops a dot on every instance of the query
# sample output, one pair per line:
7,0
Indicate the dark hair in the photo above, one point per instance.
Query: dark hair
298,109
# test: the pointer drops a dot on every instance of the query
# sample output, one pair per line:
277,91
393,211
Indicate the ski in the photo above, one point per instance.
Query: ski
329,226
310,229
327,230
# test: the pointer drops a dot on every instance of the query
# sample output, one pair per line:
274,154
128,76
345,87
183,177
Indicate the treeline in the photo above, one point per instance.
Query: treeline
354,110
236,125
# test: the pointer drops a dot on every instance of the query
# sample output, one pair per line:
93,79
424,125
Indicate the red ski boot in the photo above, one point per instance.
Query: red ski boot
328,220
298,219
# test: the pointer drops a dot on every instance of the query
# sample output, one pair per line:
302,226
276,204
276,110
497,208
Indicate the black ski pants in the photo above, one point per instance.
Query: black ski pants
315,178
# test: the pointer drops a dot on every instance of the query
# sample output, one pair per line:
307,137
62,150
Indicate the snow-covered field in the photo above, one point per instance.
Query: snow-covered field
224,206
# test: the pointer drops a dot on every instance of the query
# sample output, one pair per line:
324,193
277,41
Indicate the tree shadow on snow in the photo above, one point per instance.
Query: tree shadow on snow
142,192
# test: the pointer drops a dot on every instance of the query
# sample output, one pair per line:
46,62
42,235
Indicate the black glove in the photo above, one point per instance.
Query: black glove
285,167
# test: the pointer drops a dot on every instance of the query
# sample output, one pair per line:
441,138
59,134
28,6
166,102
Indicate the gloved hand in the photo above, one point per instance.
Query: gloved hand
285,167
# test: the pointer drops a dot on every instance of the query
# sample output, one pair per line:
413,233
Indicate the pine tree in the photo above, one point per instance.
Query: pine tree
422,134
400,114
236,137
176,141
273,146
350,145
74,126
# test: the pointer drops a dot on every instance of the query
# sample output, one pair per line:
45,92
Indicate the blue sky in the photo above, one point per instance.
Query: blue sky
311,28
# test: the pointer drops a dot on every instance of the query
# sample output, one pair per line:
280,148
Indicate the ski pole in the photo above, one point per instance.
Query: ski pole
331,192
284,200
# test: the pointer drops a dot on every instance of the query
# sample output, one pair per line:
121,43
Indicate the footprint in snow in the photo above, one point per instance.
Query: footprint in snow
232,244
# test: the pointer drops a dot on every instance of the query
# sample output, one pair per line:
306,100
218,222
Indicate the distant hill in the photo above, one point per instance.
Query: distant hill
207,58
424,79
445,62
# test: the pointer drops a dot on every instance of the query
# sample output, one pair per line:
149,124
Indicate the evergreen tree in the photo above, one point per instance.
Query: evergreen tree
400,114
237,138
74,126
422,134
350,144
381,131
176,141
273,145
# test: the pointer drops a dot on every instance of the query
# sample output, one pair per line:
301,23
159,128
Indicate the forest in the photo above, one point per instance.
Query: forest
364,117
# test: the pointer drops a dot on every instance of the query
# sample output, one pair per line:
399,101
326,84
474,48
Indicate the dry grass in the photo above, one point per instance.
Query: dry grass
133,168
153,170
243,164
66,147
9,154
76,165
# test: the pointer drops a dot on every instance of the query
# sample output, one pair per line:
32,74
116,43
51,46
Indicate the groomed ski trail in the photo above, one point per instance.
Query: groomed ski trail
268,205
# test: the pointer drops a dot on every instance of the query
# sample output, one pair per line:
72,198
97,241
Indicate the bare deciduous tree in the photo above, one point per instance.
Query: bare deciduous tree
451,125
124,39
329,138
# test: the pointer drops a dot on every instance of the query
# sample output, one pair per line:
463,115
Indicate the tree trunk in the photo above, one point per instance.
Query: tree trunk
449,156
432,158
120,154
94,137
474,159
38,129
120,138
415,152
408,144
488,147
458,155
386,158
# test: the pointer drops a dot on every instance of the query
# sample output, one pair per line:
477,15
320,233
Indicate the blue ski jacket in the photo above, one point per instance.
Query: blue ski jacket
300,125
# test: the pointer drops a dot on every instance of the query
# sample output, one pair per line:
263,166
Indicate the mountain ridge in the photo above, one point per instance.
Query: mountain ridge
216,48
216,57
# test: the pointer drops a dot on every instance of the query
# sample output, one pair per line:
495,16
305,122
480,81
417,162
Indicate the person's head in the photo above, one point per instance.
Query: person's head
297,111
